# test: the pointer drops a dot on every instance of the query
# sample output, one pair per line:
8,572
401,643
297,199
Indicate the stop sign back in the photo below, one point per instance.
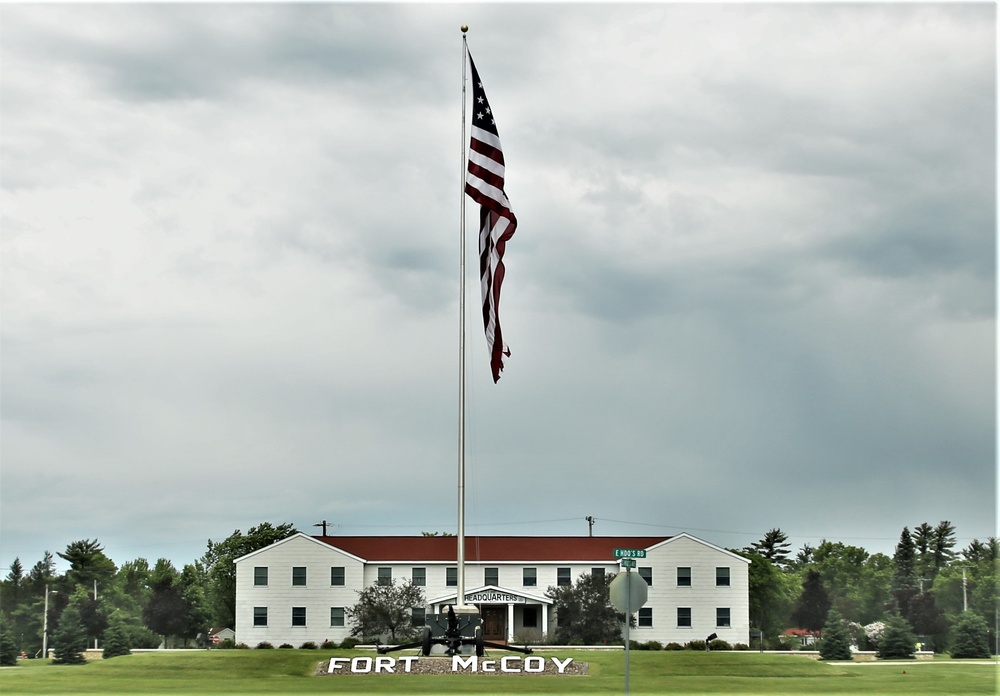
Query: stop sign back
628,592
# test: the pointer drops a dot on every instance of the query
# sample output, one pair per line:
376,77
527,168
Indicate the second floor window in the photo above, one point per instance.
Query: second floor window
451,577
420,577
563,577
299,576
530,577
337,575
491,576
722,577
683,577
260,576
385,576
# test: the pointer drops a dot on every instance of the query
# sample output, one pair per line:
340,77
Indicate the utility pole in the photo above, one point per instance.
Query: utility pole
590,519
323,525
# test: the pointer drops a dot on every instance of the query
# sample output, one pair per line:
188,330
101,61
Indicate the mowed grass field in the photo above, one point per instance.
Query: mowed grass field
252,672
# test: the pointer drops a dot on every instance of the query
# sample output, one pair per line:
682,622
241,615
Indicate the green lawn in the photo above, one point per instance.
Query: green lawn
253,672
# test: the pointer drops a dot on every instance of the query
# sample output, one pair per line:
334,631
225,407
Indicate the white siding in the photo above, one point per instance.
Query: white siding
703,597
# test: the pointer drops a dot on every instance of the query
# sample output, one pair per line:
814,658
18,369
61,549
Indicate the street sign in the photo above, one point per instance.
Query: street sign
628,592
627,563
630,553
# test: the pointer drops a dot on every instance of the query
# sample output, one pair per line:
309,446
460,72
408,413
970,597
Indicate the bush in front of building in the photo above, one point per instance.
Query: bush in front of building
285,646
264,645
719,644
740,646
328,645
696,645
349,643
308,645
673,646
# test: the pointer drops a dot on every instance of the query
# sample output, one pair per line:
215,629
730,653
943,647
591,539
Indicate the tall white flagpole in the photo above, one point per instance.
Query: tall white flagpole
460,598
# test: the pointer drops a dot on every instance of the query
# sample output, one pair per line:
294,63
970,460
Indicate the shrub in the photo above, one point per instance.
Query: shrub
285,646
349,643
673,646
836,643
264,645
696,645
328,645
242,646
741,646
898,641
719,644
308,645
653,645
227,644
972,637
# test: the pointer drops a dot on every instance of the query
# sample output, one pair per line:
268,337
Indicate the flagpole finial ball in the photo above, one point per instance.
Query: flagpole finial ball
465,28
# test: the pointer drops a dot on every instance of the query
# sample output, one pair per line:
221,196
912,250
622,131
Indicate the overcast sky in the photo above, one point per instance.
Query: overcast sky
753,283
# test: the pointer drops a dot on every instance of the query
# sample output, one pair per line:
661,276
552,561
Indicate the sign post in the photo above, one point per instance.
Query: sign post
628,594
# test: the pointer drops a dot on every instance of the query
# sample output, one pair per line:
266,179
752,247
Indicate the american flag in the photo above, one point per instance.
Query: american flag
484,184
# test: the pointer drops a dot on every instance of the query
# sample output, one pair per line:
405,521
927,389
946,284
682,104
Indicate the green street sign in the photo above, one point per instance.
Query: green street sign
630,553
628,563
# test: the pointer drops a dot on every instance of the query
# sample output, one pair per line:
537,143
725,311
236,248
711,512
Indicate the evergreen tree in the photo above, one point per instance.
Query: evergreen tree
10,596
774,547
813,604
115,638
944,542
972,637
70,639
8,646
927,619
898,641
88,563
836,644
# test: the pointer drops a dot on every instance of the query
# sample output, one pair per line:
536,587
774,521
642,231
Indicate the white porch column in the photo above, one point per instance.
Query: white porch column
510,622
545,621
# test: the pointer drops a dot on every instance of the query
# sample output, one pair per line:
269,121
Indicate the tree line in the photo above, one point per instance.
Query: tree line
136,605
927,583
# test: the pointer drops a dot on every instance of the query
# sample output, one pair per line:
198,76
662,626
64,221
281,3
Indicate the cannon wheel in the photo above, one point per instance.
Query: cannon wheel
425,645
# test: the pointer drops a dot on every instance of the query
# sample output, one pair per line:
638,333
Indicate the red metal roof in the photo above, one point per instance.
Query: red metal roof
488,548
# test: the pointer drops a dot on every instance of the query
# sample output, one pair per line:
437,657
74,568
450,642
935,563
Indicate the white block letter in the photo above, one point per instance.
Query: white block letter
357,662
561,665
457,663
530,664
335,664
503,664
385,664
407,661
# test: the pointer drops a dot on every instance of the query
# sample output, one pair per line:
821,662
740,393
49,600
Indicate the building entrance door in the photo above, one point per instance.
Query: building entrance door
495,624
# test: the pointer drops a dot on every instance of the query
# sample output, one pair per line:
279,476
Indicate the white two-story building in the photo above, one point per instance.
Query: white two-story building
298,589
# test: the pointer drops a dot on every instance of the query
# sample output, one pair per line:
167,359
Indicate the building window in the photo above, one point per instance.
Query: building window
298,616
563,577
260,616
597,572
385,576
683,577
530,619
491,576
684,617
420,577
530,577
418,616
337,575
299,576
722,577
646,573
722,617
645,617
260,576
336,616
451,577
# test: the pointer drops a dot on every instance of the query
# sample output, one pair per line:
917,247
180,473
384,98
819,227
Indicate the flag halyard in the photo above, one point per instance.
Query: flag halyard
484,183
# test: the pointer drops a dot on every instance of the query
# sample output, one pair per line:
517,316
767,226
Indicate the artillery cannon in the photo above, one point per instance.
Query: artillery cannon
453,631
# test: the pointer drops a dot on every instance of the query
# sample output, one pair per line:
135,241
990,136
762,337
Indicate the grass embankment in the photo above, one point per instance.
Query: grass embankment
252,672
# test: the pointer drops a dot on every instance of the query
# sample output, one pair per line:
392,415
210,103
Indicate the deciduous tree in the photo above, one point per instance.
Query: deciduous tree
386,610
584,613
